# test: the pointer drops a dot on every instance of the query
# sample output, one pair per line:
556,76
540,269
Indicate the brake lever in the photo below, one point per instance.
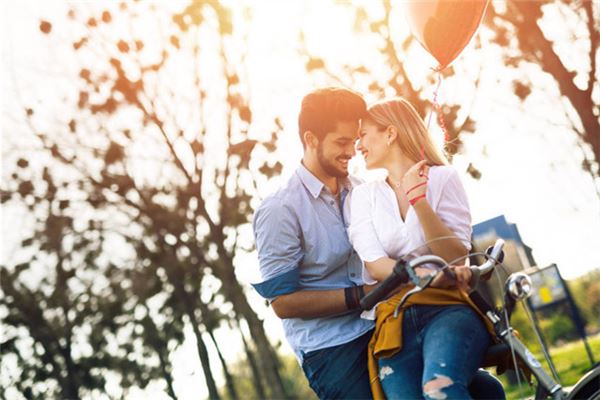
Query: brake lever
421,283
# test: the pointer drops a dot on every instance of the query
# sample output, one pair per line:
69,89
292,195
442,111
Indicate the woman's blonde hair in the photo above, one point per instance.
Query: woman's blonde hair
415,142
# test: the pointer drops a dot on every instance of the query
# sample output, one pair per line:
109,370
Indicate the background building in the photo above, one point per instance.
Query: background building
517,255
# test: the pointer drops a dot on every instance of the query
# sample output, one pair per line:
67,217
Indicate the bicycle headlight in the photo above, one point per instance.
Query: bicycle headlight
519,286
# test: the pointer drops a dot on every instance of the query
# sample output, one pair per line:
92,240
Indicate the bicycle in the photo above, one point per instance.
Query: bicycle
518,287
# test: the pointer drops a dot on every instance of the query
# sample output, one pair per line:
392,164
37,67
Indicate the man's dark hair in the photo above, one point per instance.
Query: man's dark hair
323,108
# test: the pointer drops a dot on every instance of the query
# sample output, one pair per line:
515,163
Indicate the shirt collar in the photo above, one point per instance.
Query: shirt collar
314,185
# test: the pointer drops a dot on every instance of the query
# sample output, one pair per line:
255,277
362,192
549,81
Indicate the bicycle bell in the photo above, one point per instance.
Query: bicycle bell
519,286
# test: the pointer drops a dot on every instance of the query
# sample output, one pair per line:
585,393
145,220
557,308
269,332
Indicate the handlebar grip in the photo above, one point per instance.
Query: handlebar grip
398,276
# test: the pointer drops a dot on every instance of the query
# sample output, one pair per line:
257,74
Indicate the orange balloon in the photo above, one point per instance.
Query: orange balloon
444,27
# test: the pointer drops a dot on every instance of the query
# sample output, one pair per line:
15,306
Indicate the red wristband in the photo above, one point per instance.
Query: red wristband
414,200
416,186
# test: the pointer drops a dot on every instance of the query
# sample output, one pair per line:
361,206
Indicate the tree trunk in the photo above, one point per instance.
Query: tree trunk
235,294
213,393
228,378
166,375
182,294
268,356
72,389
210,324
256,378
161,349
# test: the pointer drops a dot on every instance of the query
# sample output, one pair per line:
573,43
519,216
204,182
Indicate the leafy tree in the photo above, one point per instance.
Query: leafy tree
521,32
594,298
70,316
137,194
586,293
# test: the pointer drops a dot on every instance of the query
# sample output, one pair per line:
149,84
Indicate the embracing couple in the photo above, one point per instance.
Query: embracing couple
325,239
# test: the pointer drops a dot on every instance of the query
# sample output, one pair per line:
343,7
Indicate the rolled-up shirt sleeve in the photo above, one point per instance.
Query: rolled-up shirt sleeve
361,231
278,242
453,209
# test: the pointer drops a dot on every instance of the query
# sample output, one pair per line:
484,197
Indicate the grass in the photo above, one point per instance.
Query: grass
571,361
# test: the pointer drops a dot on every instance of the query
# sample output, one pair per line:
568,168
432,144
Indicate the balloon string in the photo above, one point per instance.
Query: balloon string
438,111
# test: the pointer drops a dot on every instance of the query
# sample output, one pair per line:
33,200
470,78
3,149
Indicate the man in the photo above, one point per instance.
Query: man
311,274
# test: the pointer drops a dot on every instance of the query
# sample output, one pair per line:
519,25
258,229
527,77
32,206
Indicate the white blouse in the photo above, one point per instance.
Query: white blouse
377,230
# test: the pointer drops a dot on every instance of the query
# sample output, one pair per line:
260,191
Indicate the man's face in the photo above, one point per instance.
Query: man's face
337,148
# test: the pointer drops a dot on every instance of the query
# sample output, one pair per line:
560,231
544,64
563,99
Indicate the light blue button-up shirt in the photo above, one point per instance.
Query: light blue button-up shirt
303,245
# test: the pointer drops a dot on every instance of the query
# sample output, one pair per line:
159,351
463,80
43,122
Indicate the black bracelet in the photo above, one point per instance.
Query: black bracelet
361,293
349,297
355,297
352,295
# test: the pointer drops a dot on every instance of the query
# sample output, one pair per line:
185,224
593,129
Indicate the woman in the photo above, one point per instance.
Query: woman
436,344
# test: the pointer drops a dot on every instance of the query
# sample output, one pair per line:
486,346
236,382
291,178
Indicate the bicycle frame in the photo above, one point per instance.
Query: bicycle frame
545,381
588,387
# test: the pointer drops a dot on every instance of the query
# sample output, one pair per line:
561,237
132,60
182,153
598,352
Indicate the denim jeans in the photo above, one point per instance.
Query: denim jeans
485,386
442,348
340,372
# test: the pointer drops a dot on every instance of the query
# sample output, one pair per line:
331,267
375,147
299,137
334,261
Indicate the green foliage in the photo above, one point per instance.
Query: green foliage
559,328
586,293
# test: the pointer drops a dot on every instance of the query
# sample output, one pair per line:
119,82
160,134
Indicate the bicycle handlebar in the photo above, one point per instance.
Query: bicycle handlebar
494,256
403,272
399,276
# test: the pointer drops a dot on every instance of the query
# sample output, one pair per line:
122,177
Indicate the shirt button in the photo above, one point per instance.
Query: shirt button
353,274
332,202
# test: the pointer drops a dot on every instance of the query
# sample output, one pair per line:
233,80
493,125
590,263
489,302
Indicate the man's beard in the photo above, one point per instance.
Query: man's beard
328,166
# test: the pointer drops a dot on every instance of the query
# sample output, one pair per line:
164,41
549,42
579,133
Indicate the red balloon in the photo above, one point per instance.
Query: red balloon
444,27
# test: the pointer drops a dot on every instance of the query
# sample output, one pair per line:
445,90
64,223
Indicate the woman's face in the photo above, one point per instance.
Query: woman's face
372,143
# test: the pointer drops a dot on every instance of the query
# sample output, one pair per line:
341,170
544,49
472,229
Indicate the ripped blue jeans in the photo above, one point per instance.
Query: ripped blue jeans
442,348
